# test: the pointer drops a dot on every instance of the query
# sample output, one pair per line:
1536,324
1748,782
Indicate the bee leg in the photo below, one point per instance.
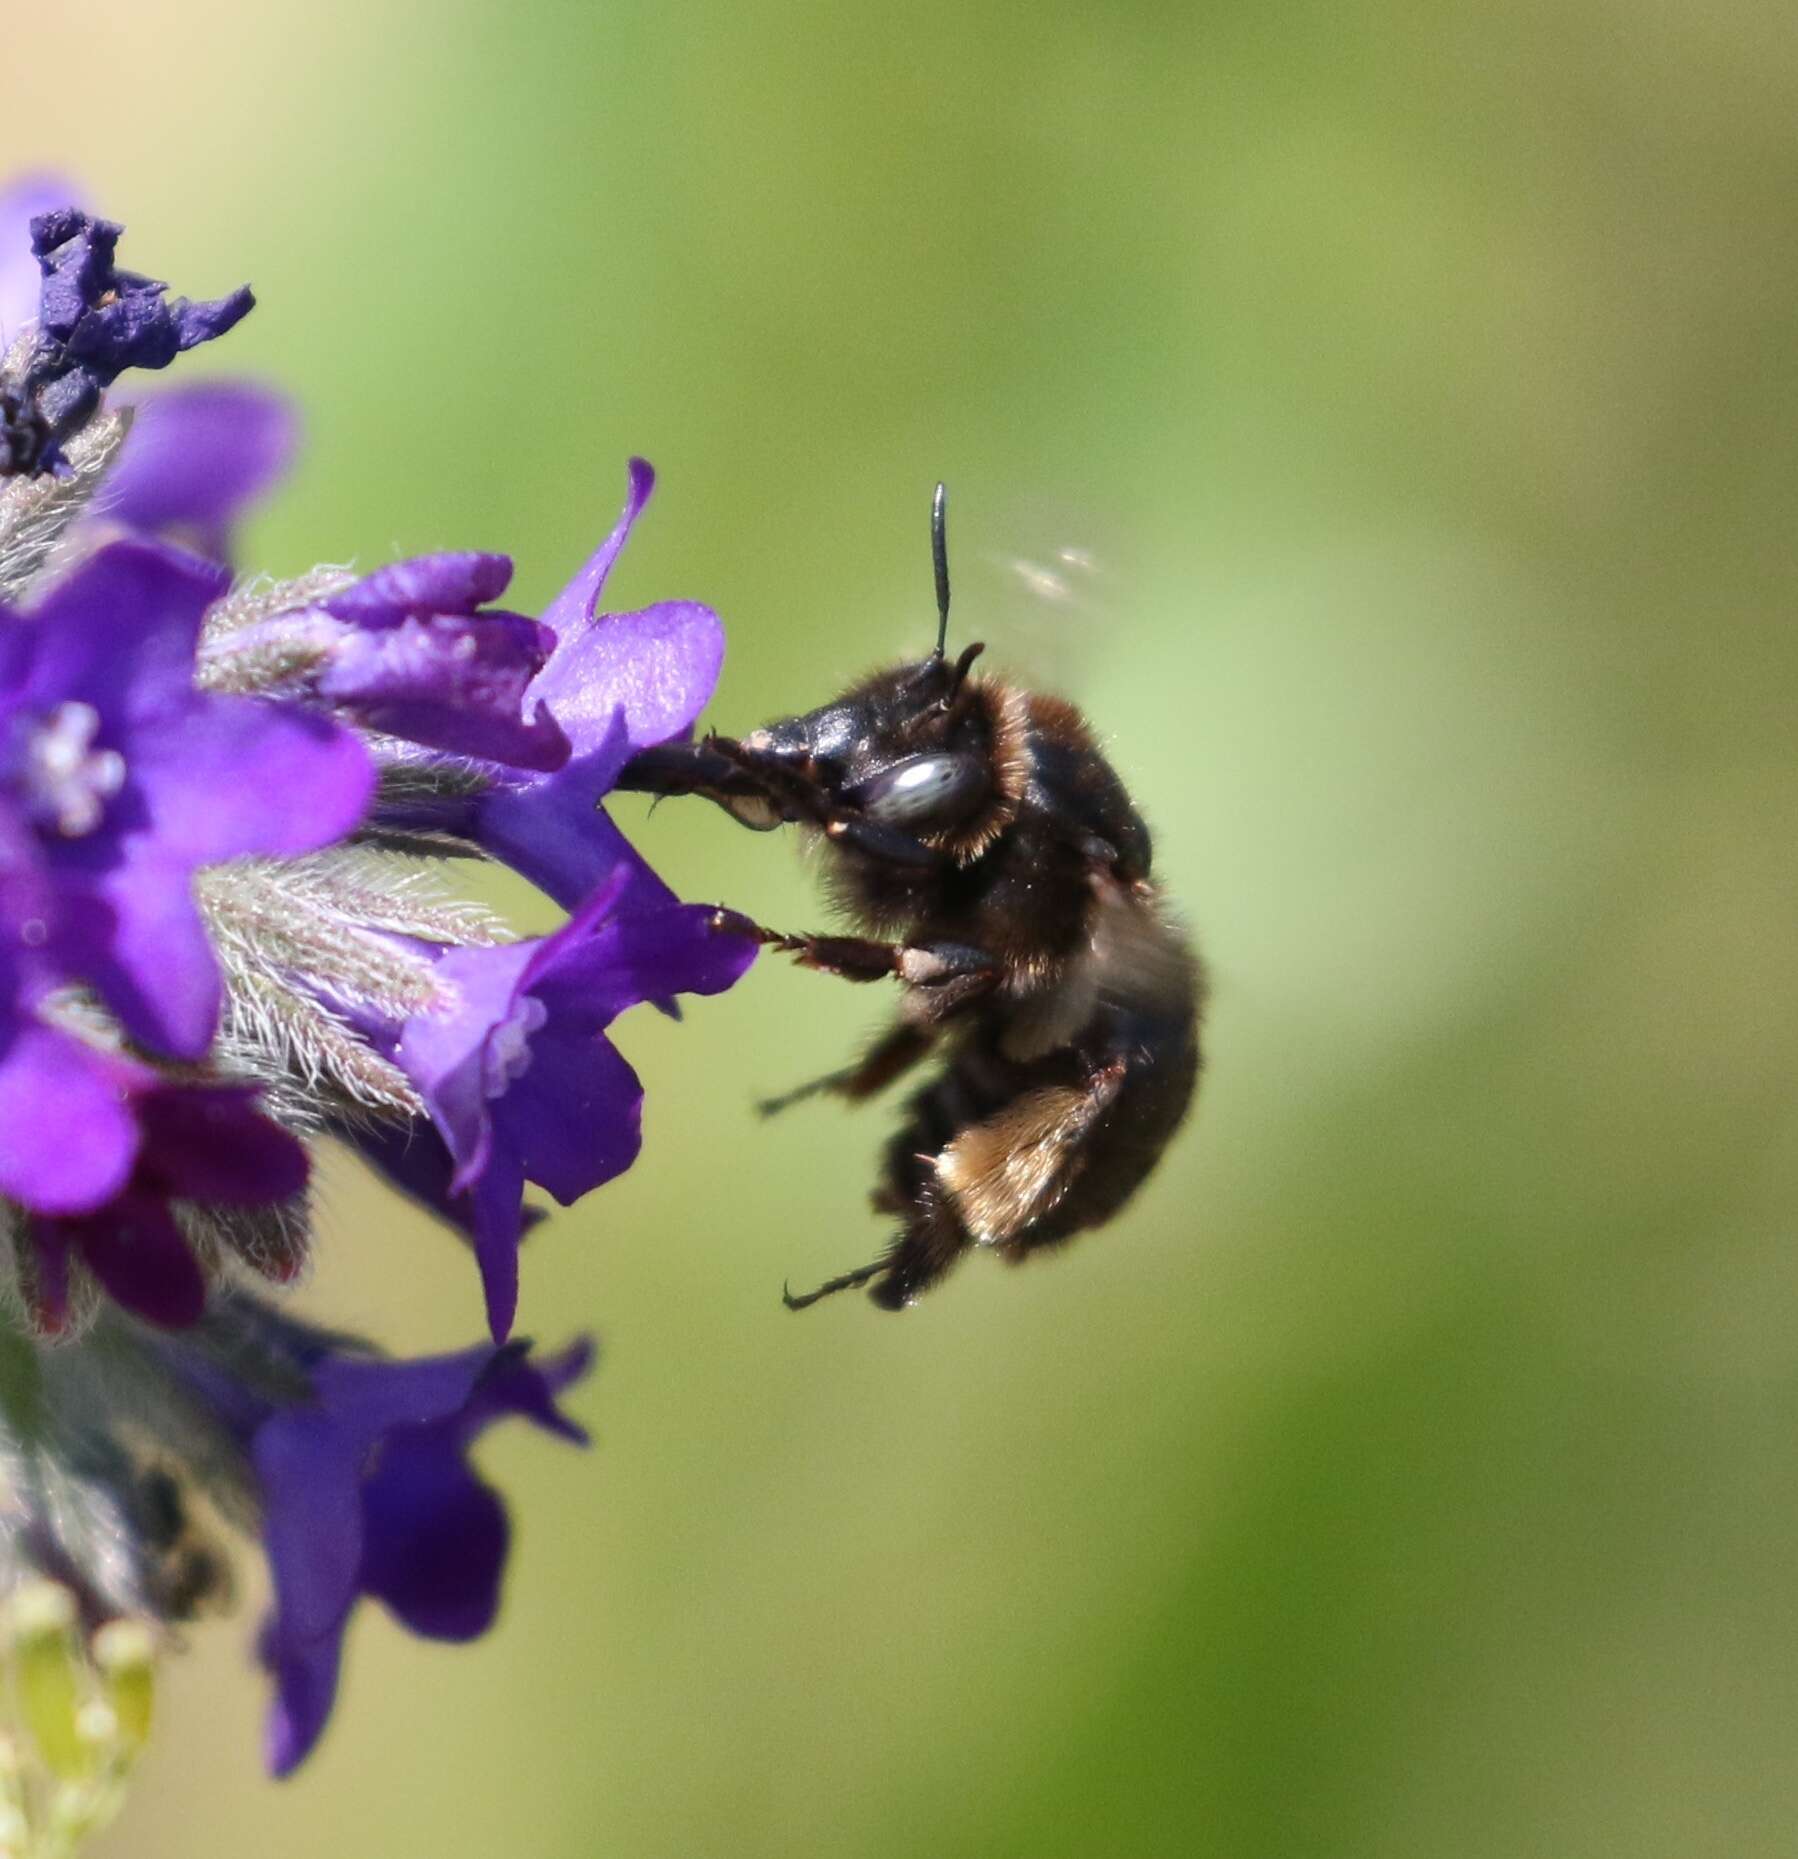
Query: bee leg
896,1052
671,768
795,790
945,977
886,843
855,958
1010,1206
932,1242
724,767
844,1281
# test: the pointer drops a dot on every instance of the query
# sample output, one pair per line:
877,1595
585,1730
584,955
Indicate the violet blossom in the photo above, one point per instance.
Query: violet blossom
161,1142
412,651
617,682
225,930
361,1477
519,1079
93,322
121,779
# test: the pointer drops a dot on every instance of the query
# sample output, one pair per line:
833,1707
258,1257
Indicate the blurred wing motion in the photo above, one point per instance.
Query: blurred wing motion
1053,593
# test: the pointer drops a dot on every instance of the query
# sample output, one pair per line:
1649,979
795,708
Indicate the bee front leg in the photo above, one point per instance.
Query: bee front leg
802,790
888,844
671,768
708,769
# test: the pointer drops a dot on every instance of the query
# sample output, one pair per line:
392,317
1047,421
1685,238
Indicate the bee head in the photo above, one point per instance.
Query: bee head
922,707
909,747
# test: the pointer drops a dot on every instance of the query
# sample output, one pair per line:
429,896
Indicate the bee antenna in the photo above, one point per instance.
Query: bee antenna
939,556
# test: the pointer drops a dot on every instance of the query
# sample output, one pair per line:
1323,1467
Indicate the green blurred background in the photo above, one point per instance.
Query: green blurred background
1411,1470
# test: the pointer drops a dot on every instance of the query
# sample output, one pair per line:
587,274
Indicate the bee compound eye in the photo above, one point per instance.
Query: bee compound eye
925,791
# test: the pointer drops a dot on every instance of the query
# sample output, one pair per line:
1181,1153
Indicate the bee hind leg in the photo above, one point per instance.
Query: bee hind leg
931,1243
844,1281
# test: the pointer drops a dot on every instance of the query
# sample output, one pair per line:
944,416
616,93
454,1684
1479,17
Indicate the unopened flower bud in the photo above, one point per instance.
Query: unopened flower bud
125,1653
42,1631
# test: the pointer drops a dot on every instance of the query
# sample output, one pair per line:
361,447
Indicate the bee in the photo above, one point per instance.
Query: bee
977,834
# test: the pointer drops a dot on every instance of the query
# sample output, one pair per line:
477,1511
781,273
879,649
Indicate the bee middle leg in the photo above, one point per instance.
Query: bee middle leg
894,1053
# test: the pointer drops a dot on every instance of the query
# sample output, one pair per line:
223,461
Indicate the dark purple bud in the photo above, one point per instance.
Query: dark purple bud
93,322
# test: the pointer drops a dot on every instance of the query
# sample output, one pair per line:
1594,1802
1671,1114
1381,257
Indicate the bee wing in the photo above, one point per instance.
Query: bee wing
1053,591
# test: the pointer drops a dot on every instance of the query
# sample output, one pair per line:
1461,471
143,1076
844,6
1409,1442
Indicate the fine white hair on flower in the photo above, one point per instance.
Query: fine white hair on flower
38,514
337,924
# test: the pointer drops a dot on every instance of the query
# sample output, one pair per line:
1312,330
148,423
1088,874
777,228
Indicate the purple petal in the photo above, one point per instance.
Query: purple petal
210,1143
497,1206
571,612
491,1215
147,954
67,1135
586,921
515,1384
111,320
435,1536
309,1470
368,1492
552,832
454,581
451,683
368,1397
417,1162
657,667
236,776
119,631
689,949
197,457
305,1675
135,1249
446,1055
575,1119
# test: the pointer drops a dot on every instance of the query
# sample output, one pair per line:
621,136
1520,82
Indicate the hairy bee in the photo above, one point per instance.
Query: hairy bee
978,835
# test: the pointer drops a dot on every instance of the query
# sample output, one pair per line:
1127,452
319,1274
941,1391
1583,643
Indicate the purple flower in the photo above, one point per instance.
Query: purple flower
196,458
362,1471
118,780
94,321
96,1146
413,651
615,682
520,1080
